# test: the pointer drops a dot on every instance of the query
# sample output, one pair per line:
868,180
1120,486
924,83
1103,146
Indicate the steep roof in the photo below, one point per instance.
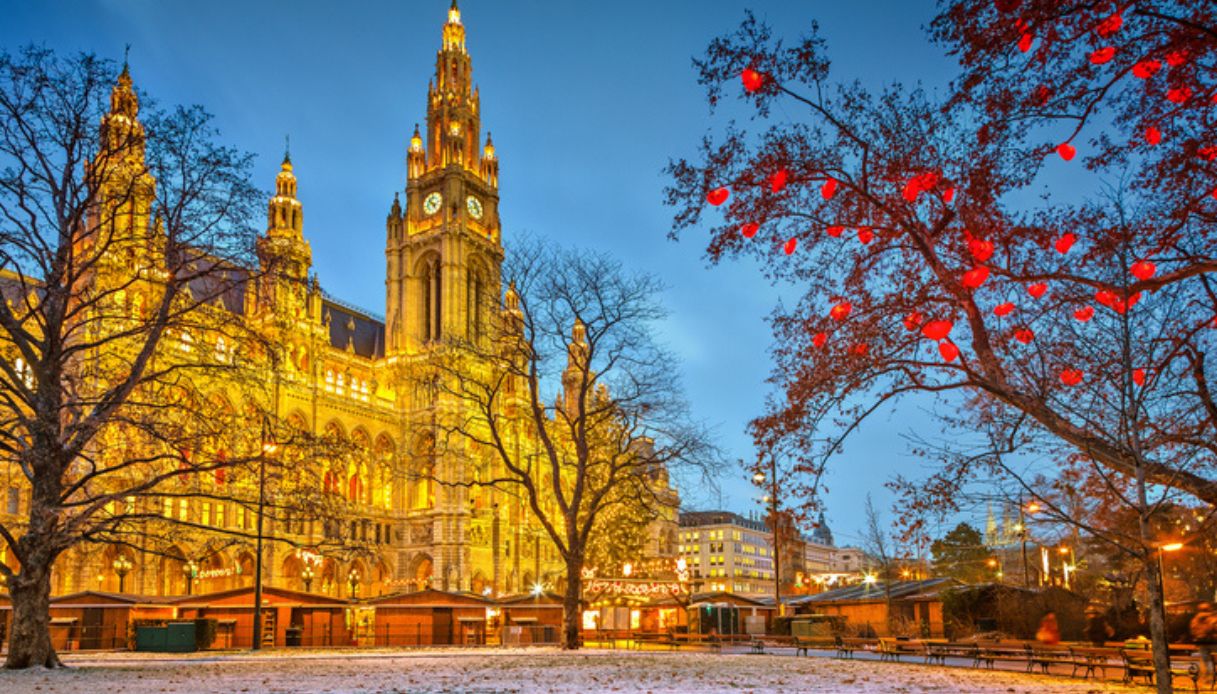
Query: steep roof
875,591
362,330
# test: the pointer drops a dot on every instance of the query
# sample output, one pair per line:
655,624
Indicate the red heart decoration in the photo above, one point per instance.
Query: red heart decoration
791,244
1066,150
1207,153
819,339
749,230
1176,57
1024,335
1003,309
1138,376
1179,95
829,188
1071,377
860,349
865,235
948,351
912,320
752,80
1214,194
1109,26
1064,243
778,180
1084,314
1143,269
975,277
1146,68
919,184
1103,55
841,310
1153,135
835,232
1037,290
937,329
718,196
948,195
980,249
1024,42
1105,297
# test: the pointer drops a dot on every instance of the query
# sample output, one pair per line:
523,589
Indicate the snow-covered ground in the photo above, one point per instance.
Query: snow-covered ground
487,671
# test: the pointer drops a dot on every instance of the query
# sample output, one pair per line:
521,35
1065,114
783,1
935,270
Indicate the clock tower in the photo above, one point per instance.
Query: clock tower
443,246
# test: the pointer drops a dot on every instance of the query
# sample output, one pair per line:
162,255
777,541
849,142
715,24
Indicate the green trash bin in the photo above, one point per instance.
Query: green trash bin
180,637
151,639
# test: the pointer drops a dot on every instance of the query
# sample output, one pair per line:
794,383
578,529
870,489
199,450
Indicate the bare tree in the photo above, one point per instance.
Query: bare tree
125,251
578,327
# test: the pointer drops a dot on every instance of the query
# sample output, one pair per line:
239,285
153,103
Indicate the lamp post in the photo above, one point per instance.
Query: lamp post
353,580
306,574
772,499
268,448
190,569
122,565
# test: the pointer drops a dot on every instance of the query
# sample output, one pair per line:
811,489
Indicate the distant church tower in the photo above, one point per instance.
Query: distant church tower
443,250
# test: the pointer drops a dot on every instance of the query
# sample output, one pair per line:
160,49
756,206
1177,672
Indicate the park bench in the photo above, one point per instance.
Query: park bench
1045,656
892,649
1140,663
847,645
803,644
989,652
645,637
713,641
939,651
1091,658
760,641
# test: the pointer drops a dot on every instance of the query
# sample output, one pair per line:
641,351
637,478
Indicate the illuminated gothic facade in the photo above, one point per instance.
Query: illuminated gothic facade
351,374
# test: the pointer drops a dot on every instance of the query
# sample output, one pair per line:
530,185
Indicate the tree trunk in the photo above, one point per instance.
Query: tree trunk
29,643
1157,625
1157,603
572,605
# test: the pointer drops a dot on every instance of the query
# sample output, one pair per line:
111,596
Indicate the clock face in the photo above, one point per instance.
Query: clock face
474,206
432,202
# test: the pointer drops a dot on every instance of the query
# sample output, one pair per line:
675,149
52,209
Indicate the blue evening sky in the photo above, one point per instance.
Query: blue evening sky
587,102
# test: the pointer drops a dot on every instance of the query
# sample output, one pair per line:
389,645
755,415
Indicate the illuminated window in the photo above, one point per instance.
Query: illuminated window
168,508
24,372
220,515
329,380
187,342
221,349
206,513
183,509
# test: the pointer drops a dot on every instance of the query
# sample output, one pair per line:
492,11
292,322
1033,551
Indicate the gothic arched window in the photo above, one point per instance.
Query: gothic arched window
432,295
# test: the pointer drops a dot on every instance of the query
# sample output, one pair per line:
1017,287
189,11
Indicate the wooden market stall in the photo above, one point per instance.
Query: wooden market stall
429,617
289,617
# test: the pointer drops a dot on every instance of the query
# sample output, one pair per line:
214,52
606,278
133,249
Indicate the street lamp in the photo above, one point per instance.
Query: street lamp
306,574
268,448
122,565
191,570
1169,547
353,580
771,500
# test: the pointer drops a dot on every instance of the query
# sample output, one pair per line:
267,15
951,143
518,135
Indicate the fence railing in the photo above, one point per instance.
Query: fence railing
102,637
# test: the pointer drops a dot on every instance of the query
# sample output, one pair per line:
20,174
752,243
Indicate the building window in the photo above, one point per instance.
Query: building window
183,509
220,515
206,513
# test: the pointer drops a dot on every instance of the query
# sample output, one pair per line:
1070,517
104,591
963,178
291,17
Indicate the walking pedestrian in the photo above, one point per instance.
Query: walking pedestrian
1049,632
1204,633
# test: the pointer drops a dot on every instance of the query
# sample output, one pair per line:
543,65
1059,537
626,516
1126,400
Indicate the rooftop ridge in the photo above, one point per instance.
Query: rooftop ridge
342,303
